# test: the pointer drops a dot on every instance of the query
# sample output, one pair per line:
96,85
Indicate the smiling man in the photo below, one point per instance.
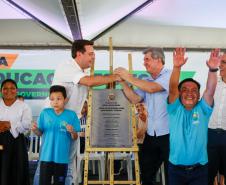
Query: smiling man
73,75
188,122
153,91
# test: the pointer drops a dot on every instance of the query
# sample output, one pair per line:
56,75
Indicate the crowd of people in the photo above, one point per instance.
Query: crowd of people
175,127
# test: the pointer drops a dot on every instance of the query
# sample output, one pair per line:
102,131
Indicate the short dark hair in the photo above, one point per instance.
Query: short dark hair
79,45
188,80
9,80
58,88
156,53
20,96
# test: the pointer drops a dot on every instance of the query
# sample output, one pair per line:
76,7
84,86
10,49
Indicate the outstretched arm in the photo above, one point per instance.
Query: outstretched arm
150,87
98,80
213,63
129,93
178,61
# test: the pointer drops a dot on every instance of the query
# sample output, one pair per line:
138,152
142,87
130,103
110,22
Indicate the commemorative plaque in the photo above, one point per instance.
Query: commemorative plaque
110,120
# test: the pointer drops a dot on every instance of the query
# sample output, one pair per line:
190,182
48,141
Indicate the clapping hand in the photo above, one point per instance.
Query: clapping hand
34,127
69,128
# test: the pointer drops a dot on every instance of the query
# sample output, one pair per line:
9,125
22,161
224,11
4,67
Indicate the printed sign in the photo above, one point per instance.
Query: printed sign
35,84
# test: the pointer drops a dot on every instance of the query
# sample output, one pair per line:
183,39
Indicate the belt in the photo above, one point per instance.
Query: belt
219,130
188,167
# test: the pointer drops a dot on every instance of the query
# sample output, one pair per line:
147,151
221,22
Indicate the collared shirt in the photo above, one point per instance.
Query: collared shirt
18,114
188,133
68,74
156,104
218,117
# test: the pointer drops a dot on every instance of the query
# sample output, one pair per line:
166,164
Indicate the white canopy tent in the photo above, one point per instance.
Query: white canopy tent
40,32
131,23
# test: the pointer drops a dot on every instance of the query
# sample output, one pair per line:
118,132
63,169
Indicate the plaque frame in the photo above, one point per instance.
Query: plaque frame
109,151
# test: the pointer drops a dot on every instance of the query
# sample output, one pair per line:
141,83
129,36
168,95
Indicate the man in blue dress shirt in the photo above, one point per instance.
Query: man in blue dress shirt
153,91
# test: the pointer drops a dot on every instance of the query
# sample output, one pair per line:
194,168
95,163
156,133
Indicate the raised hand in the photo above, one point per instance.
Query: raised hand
215,59
178,57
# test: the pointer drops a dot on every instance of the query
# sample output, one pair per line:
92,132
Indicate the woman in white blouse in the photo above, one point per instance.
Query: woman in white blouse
15,119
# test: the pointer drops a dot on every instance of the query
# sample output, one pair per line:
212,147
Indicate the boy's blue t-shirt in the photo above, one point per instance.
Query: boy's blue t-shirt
188,133
57,142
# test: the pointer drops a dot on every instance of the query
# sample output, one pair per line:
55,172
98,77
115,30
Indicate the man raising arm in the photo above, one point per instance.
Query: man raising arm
188,122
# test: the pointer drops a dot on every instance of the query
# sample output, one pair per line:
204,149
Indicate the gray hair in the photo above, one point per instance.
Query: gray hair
156,53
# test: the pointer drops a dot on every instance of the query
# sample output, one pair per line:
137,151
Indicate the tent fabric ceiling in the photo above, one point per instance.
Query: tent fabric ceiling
163,36
165,23
33,35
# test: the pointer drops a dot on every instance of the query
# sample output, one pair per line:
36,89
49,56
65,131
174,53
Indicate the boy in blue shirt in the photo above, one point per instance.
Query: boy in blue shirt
188,122
58,126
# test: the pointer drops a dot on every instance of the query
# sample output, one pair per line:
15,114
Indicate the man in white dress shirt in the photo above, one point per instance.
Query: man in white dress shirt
217,127
73,77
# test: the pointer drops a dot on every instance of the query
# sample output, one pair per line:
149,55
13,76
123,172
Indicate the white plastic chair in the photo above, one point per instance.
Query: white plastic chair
100,157
162,170
160,176
33,152
128,158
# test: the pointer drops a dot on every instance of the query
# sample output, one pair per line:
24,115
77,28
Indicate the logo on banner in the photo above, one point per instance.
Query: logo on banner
7,60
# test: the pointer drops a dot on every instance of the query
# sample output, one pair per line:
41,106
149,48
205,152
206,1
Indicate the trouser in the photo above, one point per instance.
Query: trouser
37,175
49,170
155,150
140,146
188,175
13,160
216,153
71,167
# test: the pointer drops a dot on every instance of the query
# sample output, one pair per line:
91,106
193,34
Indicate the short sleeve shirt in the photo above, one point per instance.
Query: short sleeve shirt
188,133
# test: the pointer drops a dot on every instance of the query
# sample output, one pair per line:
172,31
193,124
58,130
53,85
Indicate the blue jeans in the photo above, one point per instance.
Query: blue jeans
191,176
71,168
